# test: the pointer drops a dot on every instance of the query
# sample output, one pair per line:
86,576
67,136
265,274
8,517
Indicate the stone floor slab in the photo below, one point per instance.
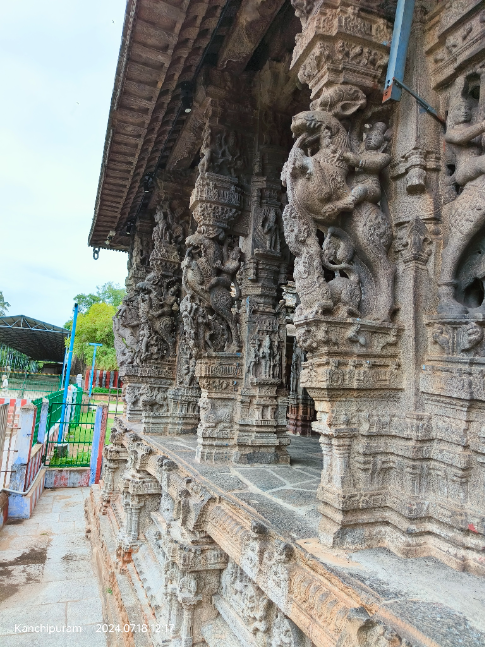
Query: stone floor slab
85,612
48,577
59,570
47,517
30,615
19,530
87,636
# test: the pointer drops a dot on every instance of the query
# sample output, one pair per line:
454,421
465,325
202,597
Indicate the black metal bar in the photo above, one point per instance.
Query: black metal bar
422,102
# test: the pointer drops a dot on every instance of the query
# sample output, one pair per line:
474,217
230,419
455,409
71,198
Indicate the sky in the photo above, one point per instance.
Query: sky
57,66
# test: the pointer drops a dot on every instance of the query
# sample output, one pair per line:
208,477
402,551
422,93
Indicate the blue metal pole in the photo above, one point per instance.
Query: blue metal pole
399,48
68,373
92,368
61,383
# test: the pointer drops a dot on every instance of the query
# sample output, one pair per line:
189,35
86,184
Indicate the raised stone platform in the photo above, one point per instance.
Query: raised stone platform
233,528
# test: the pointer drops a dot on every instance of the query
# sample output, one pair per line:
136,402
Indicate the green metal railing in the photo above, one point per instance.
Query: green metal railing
70,440
29,385
55,410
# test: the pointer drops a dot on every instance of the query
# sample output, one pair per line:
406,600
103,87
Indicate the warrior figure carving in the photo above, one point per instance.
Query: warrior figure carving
125,327
209,272
467,211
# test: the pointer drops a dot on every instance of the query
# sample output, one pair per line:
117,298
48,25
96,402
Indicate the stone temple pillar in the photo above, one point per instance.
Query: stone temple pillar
211,329
126,321
262,436
339,231
146,324
181,415
211,307
184,396
301,408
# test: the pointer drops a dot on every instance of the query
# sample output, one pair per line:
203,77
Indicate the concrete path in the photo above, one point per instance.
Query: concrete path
49,590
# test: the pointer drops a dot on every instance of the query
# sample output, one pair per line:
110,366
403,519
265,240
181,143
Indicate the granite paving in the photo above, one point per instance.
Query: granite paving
439,601
284,494
49,588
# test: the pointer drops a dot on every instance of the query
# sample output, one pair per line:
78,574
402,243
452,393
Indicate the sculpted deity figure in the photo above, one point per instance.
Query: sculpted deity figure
153,398
269,225
169,228
253,356
337,253
220,153
144,313
140,254
296,360
156,318
163,219
125,327
369,226
276,368
467,211
188,313
206,151
302,241
188,371
266,355
230,159
162,317
209,272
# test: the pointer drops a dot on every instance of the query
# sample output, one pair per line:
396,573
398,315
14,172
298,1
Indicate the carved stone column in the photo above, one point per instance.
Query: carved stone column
147,324
208,313
184,396
339,230
191,561
115,456
140,491
182,415
126,321
262,433
301,408
219,376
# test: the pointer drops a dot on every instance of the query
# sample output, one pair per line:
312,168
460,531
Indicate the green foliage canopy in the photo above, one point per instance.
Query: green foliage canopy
4,305
110,293
96,326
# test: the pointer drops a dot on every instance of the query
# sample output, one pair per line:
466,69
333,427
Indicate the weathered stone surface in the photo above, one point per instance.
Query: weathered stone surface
237,565
302,343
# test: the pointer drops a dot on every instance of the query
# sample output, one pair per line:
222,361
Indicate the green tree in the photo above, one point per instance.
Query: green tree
85,301
96,326
4,305
110,293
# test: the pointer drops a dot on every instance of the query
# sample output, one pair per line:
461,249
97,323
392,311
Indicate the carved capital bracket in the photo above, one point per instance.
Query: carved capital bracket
342,44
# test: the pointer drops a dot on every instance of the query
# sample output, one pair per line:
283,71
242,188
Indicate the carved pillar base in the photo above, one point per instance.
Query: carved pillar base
131,393
353,373
157,380
141,493
191,567
453,390
262,433
258,440
184,410
301,414
219,376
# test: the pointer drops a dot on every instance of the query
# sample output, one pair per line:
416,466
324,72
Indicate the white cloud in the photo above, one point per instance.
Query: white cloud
58,62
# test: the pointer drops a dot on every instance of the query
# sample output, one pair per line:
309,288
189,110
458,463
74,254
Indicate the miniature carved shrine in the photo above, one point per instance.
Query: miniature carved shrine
302,341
